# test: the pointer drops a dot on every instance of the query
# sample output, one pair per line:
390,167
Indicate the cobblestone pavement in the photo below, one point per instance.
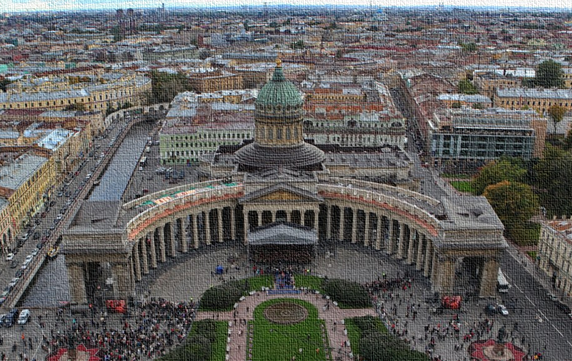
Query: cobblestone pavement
188,276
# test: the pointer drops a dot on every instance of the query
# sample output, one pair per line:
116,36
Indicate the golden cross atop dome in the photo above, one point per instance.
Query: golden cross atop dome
278,62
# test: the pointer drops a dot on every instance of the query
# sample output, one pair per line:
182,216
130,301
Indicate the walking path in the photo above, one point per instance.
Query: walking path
333,316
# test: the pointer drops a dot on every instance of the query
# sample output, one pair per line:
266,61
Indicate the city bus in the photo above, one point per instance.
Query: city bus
502,283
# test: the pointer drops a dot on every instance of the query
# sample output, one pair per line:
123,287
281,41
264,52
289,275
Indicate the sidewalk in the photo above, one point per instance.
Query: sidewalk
532,268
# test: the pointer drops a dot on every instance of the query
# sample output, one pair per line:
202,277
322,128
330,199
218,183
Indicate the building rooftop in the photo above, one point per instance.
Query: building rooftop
565,94
19,170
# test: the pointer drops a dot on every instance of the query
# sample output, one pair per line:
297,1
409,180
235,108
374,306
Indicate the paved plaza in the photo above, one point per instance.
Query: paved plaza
189,275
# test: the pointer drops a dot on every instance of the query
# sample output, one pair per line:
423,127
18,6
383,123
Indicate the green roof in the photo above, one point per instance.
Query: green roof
279,91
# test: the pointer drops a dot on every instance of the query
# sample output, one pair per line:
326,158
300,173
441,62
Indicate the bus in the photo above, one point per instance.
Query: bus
143,161
502,283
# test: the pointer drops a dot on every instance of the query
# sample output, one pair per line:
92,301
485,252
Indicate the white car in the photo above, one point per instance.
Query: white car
24,317
29,258
9,256
502,310
13,282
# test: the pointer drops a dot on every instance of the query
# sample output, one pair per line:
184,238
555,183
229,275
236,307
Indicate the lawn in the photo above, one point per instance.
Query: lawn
354,332
311,282
462,186
218,348
256,283
459,176
281,342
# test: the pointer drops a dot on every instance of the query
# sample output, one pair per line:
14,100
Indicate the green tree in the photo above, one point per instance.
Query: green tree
297,45
504,169
76,107
556,113
513,202
466,87
549,74
468,47
4,83
552,175
166,86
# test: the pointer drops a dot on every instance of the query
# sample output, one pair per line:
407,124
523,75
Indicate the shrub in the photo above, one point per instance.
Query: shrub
221,298
348,294
206,328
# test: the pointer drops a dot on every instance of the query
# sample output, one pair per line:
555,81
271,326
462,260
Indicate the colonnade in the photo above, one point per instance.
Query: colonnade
394,233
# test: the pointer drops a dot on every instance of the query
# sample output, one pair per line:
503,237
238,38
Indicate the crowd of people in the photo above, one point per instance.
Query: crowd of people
156,326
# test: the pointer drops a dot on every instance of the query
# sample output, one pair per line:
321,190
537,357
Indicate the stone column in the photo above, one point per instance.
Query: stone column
366,235
162,251
259,214
172,239
208,226
136,262
303,217
392,237
428,257
434,268
419,260
342,223
401,245
184,236
246,228
153,250
232,225
354,225
489,278
76,275
143,242
410,244
121,280
219,221
447,273
315,221
195,225
379,236
328,222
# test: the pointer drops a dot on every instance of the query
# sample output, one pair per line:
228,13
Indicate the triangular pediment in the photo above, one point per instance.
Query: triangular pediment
281,193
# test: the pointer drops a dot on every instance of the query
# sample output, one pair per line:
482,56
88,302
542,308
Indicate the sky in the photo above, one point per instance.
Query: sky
44,5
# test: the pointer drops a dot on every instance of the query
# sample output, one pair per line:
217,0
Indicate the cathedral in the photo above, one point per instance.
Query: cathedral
282,197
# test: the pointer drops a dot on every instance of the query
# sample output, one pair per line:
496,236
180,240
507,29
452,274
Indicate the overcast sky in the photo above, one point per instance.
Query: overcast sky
42,5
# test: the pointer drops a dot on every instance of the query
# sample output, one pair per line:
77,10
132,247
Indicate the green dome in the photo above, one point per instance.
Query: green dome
279,91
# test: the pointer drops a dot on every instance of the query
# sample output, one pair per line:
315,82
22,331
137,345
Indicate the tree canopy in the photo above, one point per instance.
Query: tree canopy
466,87
549,74
556,113
498,171
513,202
552,175
166,86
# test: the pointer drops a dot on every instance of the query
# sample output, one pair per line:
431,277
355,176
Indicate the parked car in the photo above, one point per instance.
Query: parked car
9,256
10,318
14,264
24,317
14,281
502,310
552,296
563,307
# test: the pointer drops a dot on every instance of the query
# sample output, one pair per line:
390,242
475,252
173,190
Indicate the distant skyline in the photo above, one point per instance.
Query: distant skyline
57,5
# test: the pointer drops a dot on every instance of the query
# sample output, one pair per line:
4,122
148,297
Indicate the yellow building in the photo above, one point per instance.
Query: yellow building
488,82
555,253
112,90
6,227
538,99
212,81
26,181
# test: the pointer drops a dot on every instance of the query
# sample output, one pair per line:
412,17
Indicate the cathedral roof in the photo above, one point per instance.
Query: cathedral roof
279,91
